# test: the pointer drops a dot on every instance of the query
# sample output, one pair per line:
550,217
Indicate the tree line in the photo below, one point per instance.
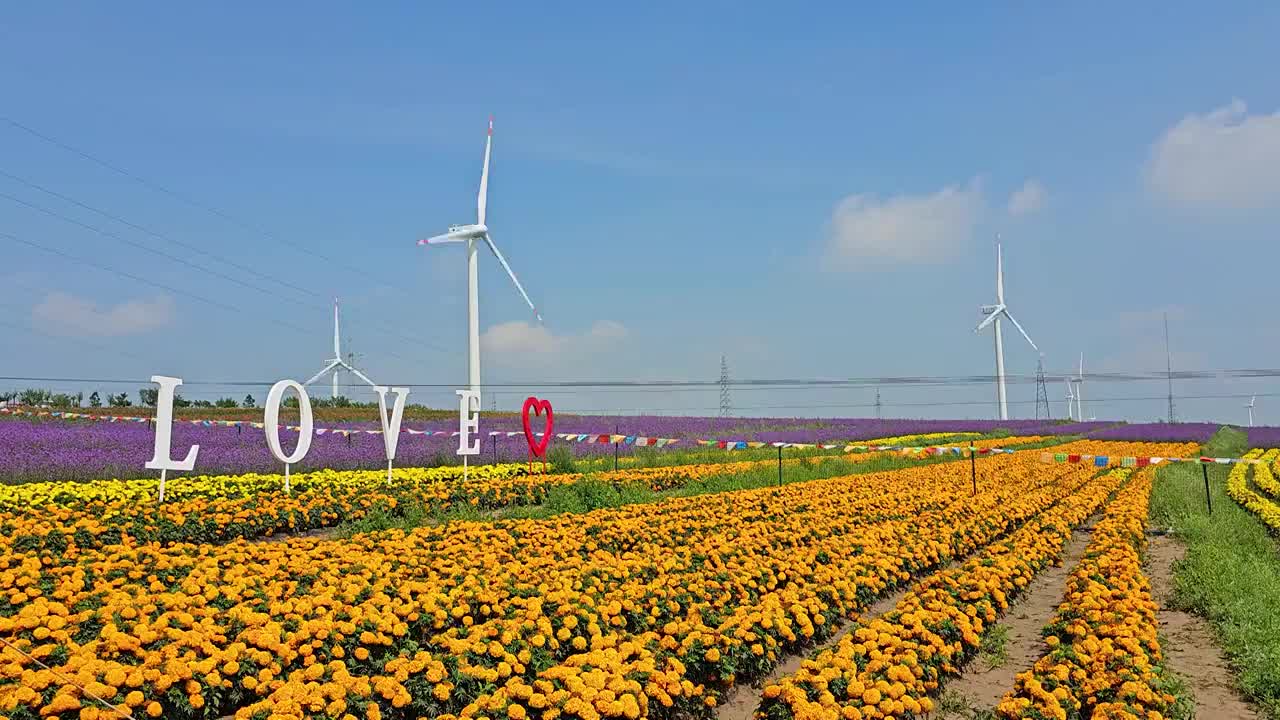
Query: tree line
39,397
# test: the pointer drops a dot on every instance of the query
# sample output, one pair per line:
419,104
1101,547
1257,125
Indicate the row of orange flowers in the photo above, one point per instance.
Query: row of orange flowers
65,517
1103,658
888,666
635,611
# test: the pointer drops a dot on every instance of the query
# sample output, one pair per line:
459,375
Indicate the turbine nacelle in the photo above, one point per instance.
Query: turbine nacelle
468,230
458,234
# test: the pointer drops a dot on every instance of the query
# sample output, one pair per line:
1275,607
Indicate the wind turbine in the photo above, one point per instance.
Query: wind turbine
336,364
1252,400
1071,409
993,313
1079,381
472,235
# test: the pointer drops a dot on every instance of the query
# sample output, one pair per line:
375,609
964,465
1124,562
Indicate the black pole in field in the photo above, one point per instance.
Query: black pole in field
494,438
779,466
615,450
1208,499
973,469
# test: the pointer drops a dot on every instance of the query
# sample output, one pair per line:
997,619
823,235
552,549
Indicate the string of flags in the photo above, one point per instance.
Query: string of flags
1128,461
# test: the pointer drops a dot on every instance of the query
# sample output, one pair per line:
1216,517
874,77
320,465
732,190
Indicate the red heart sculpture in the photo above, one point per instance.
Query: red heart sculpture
537,447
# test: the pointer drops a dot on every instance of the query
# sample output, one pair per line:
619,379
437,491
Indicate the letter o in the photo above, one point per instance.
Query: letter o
271,421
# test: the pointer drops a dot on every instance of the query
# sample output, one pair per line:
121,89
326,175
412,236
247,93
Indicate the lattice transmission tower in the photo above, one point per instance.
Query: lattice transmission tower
726,406
1042,391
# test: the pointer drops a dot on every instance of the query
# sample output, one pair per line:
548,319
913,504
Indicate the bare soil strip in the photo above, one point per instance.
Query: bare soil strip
324,533
740,701
983,683
1190,650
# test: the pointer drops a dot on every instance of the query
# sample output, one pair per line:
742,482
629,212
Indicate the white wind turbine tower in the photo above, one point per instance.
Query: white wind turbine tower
994,313
1079,381
336,364
1252,400
1071,408
472,235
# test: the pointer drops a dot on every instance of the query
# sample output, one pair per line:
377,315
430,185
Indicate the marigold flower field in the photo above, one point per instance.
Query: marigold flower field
114,605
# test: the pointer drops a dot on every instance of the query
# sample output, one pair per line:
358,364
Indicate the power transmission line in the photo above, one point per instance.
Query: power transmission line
128,275
168,256
157,187
270,279
141,246
136,278
77,340
567,386
159,236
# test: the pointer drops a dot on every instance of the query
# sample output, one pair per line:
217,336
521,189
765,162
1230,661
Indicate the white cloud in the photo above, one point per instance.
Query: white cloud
518,341
69,314
1028,199
1226,159
903,228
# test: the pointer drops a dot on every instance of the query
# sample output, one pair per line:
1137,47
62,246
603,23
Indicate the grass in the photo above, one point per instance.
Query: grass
1184,704
954,704
994,648
593,494
1231,572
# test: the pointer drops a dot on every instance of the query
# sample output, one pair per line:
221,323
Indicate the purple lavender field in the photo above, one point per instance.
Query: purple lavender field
68,450
1159,432
1264,437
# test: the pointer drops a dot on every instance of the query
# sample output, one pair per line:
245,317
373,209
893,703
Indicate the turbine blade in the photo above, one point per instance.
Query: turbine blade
990,318
1024,332
442,239
337,353
333,364
482,200
359,374
999,271
505,266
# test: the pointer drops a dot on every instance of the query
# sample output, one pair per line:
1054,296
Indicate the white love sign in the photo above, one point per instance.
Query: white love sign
468,426
271,425
390,427
160,460
468,422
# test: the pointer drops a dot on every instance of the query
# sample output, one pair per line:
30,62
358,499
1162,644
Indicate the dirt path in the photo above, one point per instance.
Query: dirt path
1190,650
324,533
989,676
740,701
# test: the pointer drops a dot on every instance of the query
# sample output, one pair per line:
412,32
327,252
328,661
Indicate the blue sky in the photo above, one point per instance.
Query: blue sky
813,193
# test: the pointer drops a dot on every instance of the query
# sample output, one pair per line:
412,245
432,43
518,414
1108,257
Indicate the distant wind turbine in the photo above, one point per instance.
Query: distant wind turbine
994,314
1071,409
1252,401
1079,381
336,364
472,235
